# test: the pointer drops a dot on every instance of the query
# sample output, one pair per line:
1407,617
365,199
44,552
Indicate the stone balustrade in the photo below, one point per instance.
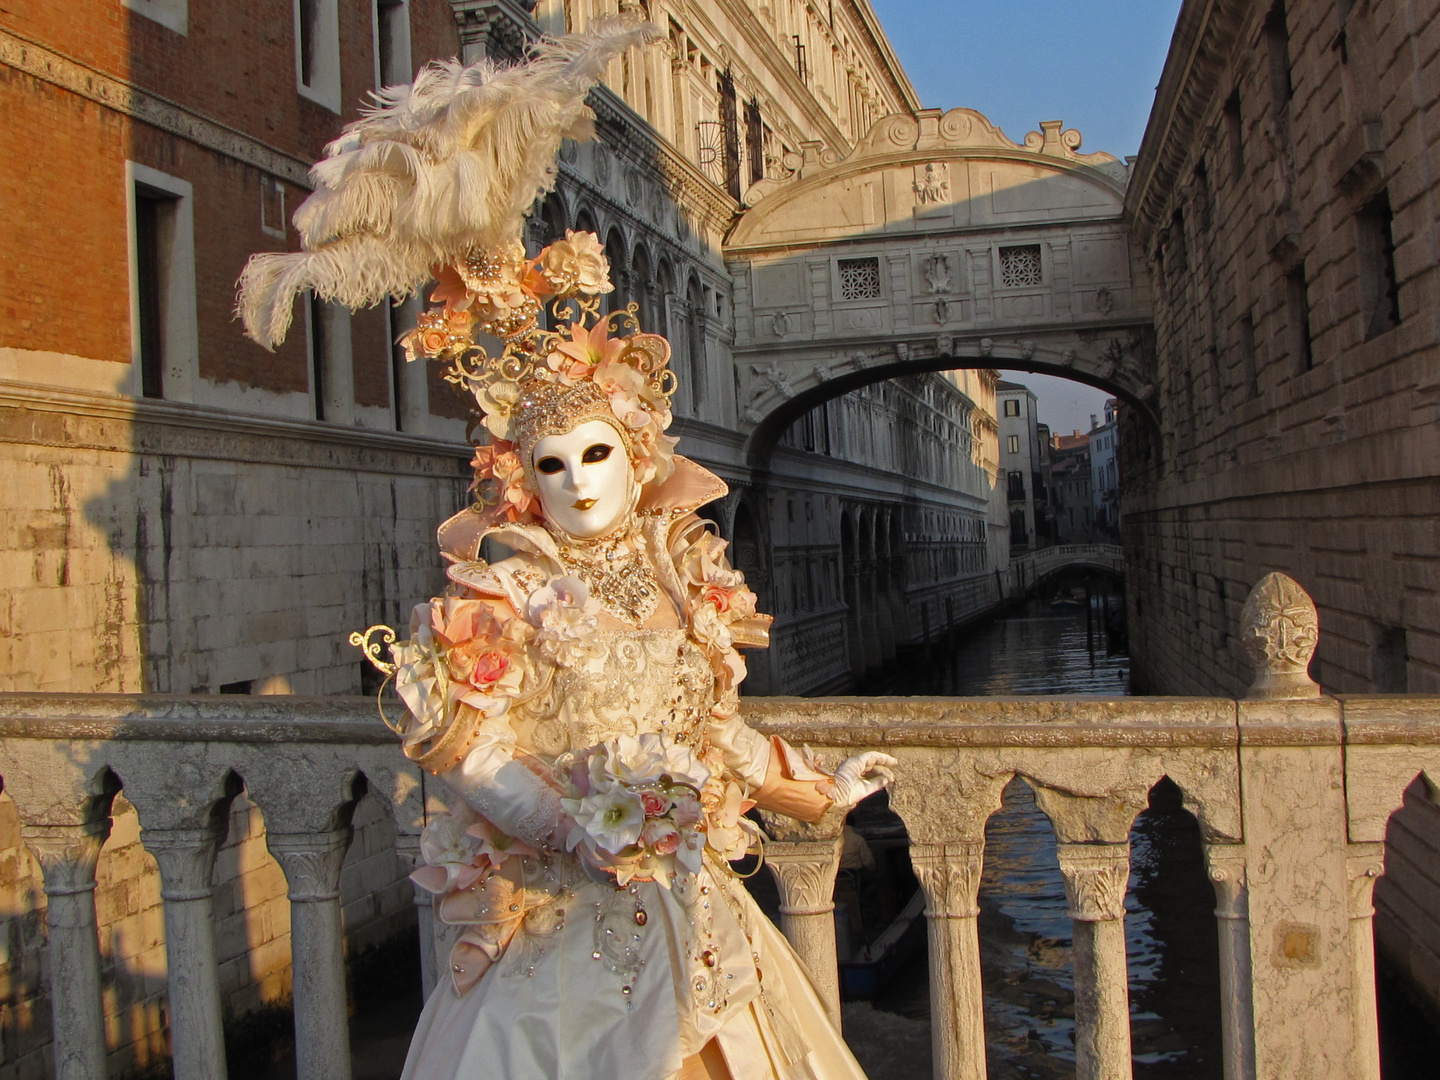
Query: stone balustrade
1292,791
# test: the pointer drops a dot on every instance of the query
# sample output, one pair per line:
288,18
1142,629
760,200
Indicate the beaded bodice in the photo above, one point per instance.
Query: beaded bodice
639,681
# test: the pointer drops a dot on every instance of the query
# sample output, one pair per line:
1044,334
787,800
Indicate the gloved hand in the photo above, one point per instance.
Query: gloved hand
860,776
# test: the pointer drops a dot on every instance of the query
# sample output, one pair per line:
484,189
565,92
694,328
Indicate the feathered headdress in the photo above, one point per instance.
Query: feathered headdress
434,182
433,172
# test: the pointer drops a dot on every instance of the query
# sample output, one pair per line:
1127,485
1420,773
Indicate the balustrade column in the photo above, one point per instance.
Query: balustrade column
1366,862
1226,864
950,876
804,871
67,855
1095,879
186,858
408,845
311,862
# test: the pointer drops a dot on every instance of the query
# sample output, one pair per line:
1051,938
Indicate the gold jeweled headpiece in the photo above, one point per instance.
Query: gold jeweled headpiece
548,408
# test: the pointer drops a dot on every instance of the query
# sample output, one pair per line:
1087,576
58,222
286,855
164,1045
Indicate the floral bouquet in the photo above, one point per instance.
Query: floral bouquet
644,807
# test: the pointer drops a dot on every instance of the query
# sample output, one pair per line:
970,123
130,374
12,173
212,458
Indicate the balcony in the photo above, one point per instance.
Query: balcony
1292,791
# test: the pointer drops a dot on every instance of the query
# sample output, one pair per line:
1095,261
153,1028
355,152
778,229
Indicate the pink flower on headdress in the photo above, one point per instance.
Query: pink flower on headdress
499,462
586,350
450,289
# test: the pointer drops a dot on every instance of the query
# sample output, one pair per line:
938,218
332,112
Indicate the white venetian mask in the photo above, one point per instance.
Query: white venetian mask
583,479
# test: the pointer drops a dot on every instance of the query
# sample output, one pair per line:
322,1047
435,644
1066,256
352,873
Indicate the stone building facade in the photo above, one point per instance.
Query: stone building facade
1020,465
1284,197
1285,194
1072,488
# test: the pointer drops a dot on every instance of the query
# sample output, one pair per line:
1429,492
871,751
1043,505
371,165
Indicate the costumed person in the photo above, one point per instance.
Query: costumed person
580,695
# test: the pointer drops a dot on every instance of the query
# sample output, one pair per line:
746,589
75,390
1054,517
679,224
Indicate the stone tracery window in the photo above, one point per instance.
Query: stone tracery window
859,279
1020,265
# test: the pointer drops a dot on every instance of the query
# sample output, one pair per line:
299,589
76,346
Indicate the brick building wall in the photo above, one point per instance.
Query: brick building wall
1286,192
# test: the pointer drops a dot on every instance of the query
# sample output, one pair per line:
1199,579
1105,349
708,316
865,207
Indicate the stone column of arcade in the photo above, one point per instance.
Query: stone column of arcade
1095,879
67,855
312,862
804,860
1226,866
186,858
950,875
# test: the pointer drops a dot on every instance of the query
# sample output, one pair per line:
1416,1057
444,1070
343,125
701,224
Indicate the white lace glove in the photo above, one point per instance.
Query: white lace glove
861,776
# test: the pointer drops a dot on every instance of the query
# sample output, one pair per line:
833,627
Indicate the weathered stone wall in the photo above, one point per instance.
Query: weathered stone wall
173,549
251,918
1285,197
1298,420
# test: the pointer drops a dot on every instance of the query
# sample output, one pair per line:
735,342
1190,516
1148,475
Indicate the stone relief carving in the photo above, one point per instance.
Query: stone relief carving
775,378
1095,879
780,323
932,186
311,863
942,311
945,345
1104,300
937,273
186,858
67,855
1027,349
1226,866
602,165
987,346
902,351
950,876
1279,630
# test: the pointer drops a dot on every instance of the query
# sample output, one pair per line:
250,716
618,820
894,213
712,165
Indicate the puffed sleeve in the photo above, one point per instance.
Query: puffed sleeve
506,792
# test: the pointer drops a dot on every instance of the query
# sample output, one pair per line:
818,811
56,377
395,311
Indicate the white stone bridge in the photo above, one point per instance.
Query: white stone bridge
937,243
1027,569
1292,791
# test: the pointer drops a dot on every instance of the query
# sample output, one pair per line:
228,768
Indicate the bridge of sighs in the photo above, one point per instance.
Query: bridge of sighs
937,243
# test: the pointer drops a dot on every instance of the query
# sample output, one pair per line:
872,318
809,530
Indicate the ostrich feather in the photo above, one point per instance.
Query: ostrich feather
431,171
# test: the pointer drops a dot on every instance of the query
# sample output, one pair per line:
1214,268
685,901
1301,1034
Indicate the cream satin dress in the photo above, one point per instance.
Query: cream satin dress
601,983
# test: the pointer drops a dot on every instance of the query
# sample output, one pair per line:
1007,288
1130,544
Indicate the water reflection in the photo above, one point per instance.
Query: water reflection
1025,932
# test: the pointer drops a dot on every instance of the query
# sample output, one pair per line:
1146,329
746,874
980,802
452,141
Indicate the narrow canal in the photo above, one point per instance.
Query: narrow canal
1045,649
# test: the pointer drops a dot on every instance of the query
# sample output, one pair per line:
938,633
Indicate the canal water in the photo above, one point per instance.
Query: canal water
1025,933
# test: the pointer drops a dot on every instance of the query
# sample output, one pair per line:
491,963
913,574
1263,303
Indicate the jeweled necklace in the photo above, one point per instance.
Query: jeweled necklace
615,570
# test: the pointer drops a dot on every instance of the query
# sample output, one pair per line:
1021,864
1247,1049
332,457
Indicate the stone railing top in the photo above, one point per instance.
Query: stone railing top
1037,722
207,718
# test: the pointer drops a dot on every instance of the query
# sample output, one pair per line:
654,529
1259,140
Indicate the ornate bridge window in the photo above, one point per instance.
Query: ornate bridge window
1020,265
859,279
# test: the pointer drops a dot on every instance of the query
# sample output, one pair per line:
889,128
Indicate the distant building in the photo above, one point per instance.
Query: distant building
1105,473
1021,464
1072,502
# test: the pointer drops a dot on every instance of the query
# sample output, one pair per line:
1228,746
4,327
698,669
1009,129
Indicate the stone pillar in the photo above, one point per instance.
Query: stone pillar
187,863
1226,864
805,872
1095,879
67,855
950,876
311,862
412,384
408,845
1366,862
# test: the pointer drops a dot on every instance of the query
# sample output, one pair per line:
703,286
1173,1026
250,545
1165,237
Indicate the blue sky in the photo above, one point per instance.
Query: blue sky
1091,63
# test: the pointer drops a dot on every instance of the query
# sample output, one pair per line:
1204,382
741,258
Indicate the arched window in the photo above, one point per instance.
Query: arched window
695,345
643,288
664,298
619,272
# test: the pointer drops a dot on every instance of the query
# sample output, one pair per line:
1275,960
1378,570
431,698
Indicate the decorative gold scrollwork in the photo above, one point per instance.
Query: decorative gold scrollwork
372,643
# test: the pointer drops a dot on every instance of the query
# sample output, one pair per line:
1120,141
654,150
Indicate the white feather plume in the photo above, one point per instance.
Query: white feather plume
433,170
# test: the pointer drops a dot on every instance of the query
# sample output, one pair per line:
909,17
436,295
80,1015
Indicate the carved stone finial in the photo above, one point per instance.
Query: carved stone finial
1279,630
